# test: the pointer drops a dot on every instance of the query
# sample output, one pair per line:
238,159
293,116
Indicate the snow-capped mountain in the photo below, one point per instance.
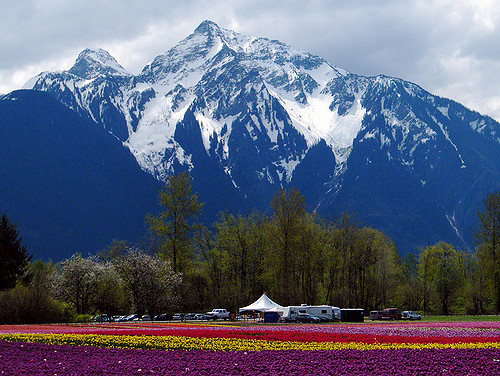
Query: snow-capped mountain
247,115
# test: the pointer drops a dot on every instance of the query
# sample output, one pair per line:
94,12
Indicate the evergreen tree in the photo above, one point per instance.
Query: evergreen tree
14,257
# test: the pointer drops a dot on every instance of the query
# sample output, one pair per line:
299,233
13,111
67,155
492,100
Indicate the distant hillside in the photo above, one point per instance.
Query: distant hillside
69,185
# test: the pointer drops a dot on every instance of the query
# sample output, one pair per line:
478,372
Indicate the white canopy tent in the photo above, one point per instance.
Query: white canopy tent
263,304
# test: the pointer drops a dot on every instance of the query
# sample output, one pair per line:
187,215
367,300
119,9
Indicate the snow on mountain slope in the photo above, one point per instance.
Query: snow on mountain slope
155,101
252,114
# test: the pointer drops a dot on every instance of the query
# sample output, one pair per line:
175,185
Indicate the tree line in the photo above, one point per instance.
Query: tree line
293,255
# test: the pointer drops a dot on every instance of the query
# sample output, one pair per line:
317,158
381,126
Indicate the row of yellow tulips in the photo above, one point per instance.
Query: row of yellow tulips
222,344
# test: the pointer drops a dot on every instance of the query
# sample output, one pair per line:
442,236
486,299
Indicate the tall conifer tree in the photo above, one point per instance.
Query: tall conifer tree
14,257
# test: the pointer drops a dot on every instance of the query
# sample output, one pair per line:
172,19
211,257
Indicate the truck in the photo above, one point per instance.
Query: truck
323,312
218,314
410,315
391,314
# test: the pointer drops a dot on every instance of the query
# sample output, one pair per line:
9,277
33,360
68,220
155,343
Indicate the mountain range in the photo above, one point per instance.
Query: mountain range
246,116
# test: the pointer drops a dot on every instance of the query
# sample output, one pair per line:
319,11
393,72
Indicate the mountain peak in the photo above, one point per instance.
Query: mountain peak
206,26
93,62
212,33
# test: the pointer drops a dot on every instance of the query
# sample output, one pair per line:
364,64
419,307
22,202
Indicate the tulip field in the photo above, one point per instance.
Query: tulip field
379,348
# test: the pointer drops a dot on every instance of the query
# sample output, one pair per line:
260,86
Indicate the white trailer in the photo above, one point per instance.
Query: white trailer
324,312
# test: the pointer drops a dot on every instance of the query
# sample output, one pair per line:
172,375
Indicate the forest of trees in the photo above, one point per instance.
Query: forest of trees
293,255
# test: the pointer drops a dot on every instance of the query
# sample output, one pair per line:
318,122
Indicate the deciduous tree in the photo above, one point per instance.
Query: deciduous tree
442,270
488,237
149,279
238,252
287,225
175,225
77,281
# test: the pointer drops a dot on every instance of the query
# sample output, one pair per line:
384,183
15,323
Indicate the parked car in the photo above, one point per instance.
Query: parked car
376,315
178,316
146,318
164,317
306,317
102,318
189,316
201,316
132,317
391,314
410,315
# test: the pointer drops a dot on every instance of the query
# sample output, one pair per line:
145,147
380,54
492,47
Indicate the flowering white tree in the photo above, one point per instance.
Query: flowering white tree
77,281
150,280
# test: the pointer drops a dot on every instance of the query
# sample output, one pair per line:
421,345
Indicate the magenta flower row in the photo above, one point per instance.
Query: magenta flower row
40,359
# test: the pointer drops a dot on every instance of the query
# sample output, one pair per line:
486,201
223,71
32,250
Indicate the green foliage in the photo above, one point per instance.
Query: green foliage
488,238
442,273
14,257
32,301
297,259
111,295
287,232
174,226
292,255
233,261
117,248
82,318
362,267
479,288
409,291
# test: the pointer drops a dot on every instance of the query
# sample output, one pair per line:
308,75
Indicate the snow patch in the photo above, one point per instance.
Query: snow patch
444,111
210,127
453,223
33,80
445,133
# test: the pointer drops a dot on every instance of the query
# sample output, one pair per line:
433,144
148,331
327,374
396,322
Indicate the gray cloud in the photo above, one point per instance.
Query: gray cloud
447,47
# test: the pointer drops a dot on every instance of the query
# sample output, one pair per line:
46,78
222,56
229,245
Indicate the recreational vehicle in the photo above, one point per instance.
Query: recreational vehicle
323,312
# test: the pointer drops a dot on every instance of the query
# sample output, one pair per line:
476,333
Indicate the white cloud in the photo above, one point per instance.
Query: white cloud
448,47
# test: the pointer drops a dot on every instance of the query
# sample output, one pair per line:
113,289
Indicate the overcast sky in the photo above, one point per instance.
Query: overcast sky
449,47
